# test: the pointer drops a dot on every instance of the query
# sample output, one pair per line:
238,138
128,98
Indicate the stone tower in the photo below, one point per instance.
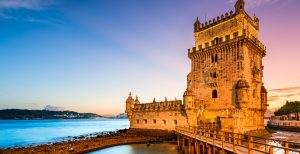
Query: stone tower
129,106
225,83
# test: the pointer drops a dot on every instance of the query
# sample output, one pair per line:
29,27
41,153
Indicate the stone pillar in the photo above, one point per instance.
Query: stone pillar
208,149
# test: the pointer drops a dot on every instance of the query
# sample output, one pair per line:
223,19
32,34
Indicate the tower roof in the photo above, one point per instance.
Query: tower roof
137,100
129,98
239,6
263,89
242,84
197,21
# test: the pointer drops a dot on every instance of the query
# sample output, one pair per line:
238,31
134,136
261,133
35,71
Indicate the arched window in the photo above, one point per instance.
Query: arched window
214,75
216,58
212,58
154,121
216,40
215,94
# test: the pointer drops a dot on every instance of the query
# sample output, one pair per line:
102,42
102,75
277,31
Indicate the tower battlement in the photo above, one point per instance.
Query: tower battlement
225,25
159,106
227,40
223,18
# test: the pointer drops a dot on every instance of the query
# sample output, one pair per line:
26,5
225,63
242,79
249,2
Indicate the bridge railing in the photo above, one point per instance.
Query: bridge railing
252,143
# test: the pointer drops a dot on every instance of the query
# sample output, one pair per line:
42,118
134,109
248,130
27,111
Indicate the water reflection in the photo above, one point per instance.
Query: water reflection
164,148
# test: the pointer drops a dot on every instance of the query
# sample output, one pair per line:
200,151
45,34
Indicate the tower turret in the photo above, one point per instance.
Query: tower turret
197,25
137,100
189,101
242,93
129,106
256,20
239,6
264,95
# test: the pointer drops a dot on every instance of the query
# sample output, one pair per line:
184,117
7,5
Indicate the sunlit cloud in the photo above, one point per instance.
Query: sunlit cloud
10,10
277,97
288,89
26,4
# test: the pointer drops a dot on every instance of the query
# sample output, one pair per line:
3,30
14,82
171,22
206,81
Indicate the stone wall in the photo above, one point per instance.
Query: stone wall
158,115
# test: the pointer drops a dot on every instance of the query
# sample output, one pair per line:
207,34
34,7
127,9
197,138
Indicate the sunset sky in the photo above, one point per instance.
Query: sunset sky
87,55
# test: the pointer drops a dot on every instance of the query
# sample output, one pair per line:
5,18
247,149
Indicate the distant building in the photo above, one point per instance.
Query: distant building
122,116
225,84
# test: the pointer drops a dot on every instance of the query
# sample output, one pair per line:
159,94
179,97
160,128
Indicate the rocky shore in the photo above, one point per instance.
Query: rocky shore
82,144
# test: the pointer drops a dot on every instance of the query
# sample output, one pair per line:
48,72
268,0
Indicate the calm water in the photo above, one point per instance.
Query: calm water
24,132
167,148
164,148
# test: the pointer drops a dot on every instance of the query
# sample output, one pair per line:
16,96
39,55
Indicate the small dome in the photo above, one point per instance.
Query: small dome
137,100
263,89
197,22
129,99
242,84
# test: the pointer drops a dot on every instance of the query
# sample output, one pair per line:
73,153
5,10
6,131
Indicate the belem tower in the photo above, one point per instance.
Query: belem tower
224,86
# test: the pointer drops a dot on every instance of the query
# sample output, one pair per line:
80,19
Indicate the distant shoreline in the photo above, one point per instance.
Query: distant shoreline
83,144
68,119
24,114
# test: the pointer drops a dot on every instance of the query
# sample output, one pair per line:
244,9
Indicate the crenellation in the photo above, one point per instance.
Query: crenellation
159,106
250,38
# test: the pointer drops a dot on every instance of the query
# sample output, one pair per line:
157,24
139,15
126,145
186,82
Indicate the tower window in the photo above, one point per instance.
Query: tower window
206,44
154,121
137,121
216,40
214,75
236,34
214,94
164,122
175,122
145,121
214,58
227,37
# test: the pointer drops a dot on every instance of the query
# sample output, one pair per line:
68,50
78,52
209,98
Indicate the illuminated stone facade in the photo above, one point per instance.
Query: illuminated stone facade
225,83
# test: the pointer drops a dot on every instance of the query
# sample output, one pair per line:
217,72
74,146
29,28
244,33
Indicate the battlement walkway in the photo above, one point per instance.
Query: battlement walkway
206,140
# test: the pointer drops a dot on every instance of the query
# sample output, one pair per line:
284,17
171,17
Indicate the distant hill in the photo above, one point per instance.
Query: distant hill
21,114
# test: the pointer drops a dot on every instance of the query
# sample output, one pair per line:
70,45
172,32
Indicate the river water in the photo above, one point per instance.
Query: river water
163,148
20,133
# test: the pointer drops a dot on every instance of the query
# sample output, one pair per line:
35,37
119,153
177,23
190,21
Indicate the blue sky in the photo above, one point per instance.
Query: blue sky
87,55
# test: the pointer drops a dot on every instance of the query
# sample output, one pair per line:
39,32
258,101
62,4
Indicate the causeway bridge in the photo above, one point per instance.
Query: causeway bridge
207,140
